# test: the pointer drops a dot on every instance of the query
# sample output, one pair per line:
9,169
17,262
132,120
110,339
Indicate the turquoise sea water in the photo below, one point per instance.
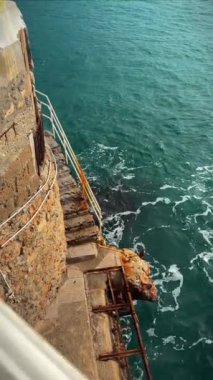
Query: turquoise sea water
132,82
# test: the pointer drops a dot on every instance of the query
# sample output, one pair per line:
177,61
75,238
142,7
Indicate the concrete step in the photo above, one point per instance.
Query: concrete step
66,182
56,149
53,144
74,207
60,156
75,214
66,326
65,191
102,327
61,160
64,170
81,252
65,177
70,196
50,139
81,236
79,222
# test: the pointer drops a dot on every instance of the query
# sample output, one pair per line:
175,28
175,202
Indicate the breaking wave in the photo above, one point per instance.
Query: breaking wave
132,220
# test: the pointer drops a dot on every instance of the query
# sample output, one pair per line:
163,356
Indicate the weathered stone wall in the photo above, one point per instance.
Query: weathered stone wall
18,119
34,262
18,177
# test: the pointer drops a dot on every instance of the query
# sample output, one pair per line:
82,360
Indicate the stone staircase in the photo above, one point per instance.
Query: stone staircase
80,226
71,326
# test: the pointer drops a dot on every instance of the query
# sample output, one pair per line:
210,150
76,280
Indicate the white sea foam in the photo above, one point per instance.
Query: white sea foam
205,340
158,227
206,168
177,342
169,339
159,199
172,275
184,198
164,187
137,245
120,167
208,276
151,332
136,167
114,234
129,176
105,147
203,261
116,217
117,187
197,197
138,370
201,187
207,235
204,213
92,178
126,329
120,188
205,256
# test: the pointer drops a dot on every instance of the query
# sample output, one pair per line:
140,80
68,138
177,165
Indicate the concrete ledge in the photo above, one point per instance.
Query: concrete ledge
82,252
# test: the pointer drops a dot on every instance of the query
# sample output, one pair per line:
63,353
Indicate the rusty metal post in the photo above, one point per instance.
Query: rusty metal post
137,327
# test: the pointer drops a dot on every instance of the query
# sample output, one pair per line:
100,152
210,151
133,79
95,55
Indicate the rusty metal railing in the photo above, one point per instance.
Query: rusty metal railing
49,113
119,308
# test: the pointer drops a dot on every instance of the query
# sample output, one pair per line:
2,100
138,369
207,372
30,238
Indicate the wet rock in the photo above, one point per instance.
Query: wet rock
138,274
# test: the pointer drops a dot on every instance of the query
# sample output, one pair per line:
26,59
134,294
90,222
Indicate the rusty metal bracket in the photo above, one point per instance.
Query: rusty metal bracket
103,309
122,308
120,354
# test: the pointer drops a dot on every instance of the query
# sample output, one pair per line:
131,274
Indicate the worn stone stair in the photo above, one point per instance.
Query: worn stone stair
79,221
70,325
80,227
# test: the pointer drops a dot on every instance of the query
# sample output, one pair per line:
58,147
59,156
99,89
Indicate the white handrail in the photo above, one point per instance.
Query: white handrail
70,156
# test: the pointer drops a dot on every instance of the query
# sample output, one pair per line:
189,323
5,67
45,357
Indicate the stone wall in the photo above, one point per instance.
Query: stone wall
18,175
18,116
34,262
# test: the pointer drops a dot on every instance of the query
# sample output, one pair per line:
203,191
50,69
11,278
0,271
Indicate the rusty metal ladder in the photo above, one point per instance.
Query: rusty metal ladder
120,309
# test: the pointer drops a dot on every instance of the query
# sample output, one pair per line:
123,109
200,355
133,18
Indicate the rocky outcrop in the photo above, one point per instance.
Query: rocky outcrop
138,274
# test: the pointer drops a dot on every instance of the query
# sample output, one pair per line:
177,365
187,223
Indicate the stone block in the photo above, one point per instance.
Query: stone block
72,291
82,252
74,272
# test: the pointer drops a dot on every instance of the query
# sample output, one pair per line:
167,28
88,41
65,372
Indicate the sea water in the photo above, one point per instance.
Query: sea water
132,83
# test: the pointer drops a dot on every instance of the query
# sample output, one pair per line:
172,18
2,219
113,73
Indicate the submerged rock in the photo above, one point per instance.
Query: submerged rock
138,274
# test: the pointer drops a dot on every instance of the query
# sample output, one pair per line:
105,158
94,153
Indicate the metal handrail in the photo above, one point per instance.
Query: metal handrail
70,156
